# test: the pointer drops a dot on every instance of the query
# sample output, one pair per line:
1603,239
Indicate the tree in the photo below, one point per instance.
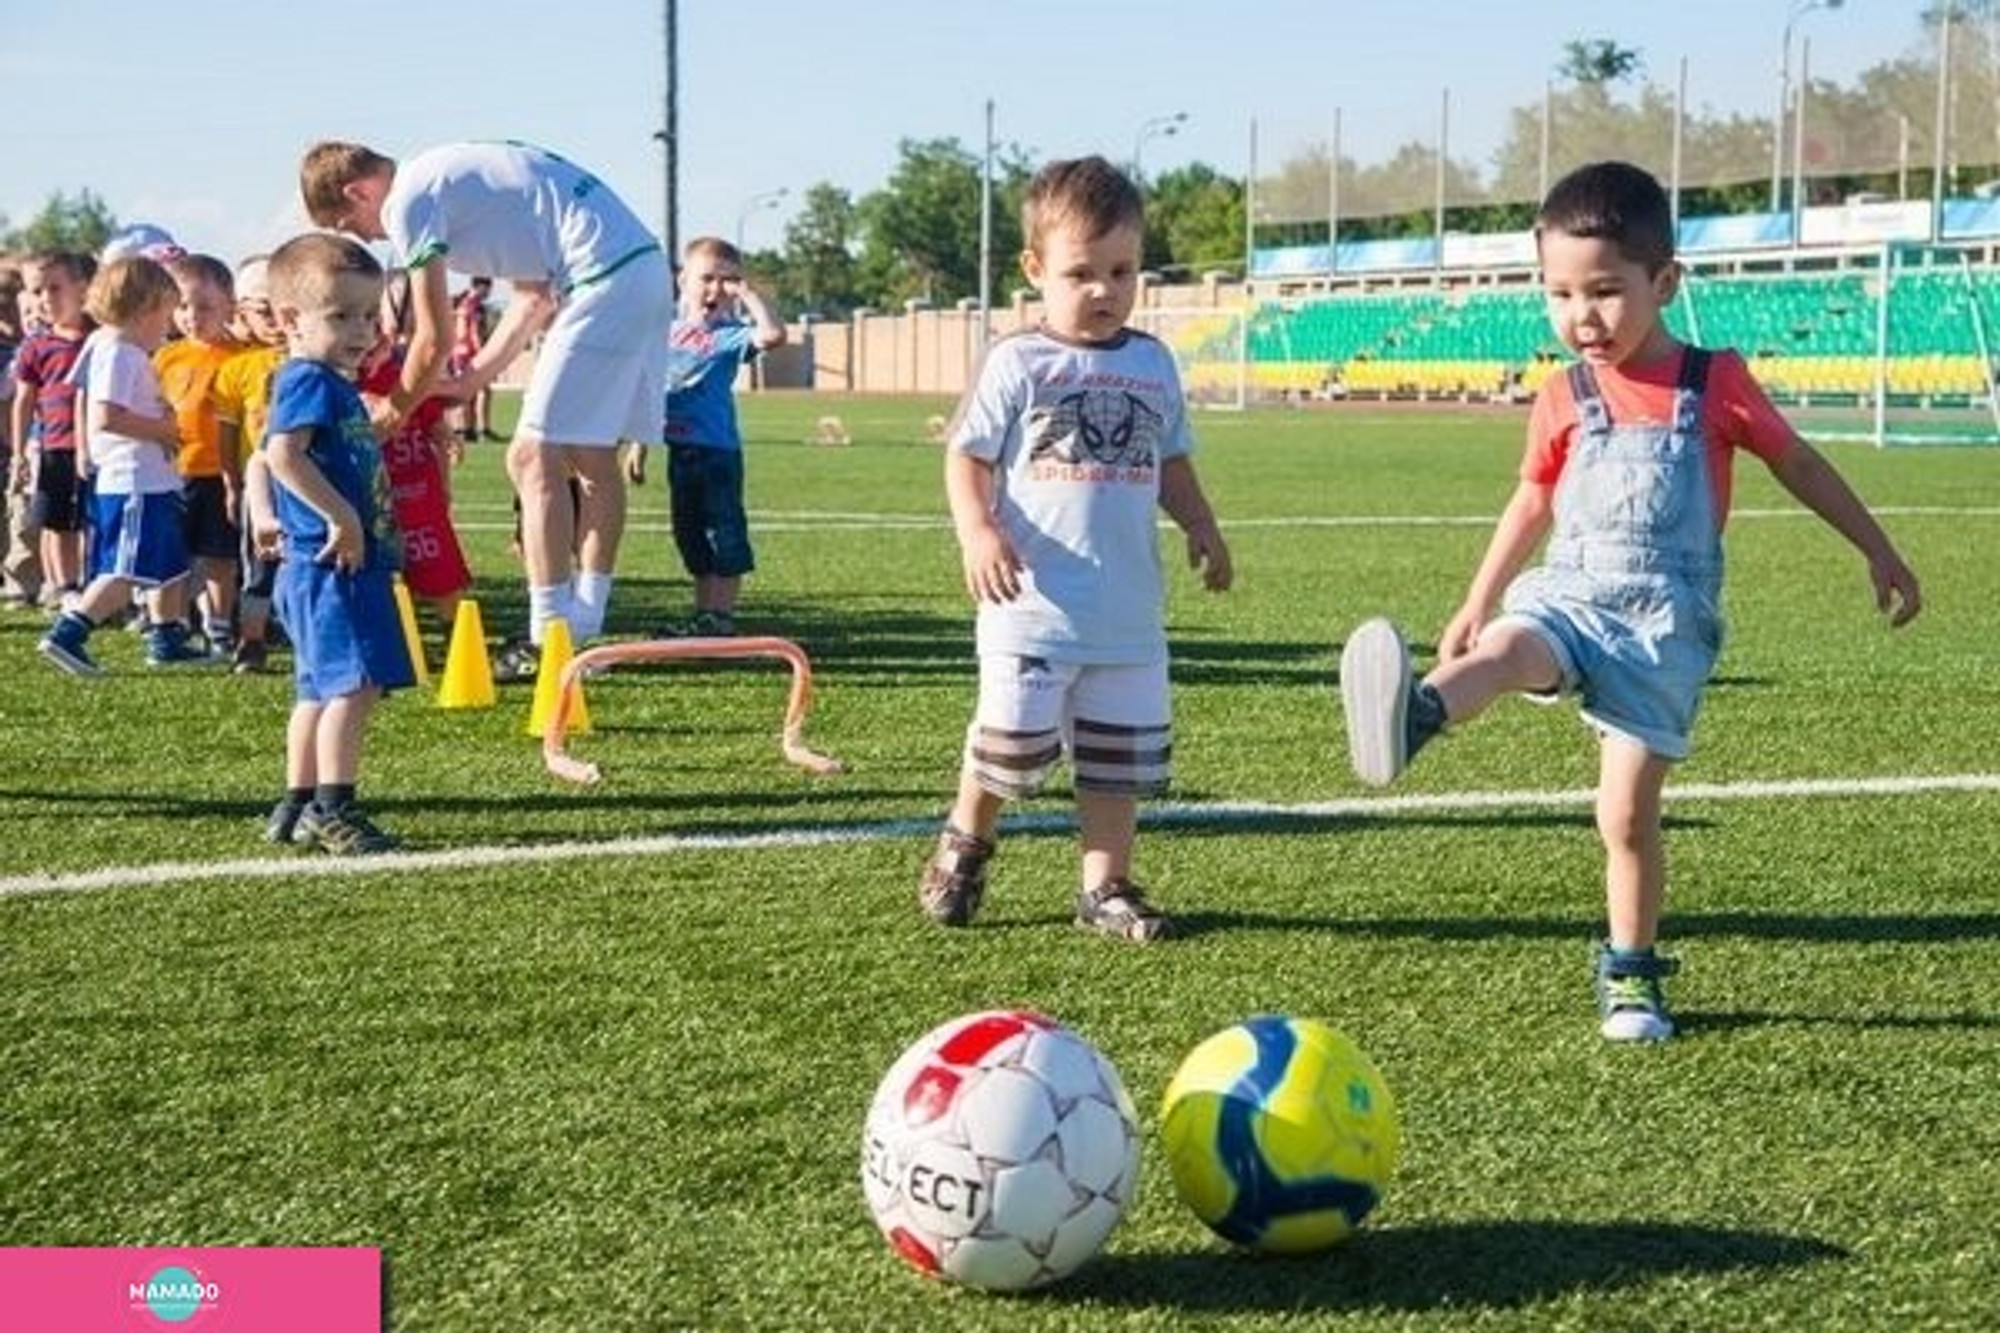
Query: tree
1597,61
83,224
819,274
920,231
1194,222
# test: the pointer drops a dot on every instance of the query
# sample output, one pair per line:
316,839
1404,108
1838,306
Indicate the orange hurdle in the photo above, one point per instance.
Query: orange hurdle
605,656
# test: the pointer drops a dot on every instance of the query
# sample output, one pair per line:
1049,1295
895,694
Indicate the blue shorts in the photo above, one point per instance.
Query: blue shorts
1639,654
710,527
138,537
345,631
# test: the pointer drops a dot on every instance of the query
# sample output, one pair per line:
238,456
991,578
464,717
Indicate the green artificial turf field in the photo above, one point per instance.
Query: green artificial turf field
598,1057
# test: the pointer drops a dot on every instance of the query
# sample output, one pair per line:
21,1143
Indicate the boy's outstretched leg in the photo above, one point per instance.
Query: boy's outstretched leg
1389,713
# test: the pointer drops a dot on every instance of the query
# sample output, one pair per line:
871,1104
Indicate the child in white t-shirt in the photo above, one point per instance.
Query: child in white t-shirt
129,440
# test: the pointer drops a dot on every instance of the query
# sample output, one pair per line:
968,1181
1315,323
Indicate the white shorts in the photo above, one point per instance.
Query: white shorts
1114,722
600,376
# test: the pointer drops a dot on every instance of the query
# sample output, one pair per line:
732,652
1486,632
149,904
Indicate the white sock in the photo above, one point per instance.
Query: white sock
546,604
591,599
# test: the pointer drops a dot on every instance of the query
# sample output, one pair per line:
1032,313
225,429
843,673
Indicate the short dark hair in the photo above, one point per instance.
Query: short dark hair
1085,192
80,266
1612,201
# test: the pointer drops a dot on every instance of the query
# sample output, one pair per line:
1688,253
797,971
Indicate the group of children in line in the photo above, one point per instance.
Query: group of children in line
199,402
148,483
1057,460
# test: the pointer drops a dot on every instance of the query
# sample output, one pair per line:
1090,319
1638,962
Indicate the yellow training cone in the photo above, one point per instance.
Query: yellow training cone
556,653
406,611
468,676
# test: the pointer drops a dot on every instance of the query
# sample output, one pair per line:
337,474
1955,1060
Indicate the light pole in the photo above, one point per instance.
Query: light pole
1159,127
1800,8
768,199
669,138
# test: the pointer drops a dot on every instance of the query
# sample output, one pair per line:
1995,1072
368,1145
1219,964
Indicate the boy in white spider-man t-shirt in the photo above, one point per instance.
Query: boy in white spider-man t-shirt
1057,461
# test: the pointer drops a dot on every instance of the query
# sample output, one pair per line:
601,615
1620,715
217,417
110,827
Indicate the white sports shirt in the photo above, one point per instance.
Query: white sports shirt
509,210
1077,433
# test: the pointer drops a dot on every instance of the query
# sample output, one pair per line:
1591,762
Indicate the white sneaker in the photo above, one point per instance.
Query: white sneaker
1375,694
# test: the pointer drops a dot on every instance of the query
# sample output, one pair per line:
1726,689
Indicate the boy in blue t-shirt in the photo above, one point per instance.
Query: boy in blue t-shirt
334,595
722,323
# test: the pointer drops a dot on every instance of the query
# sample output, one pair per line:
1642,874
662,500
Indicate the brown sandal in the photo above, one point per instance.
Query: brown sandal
1118,908
955,877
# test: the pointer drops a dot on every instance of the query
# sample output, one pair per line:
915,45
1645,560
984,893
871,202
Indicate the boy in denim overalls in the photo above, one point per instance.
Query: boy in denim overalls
1628,476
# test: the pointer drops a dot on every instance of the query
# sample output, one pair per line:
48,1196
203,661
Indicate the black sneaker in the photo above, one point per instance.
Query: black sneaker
250,658
282,828
342,831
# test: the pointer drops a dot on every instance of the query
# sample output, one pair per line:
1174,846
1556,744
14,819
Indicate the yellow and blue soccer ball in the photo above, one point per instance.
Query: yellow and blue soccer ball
1280,1134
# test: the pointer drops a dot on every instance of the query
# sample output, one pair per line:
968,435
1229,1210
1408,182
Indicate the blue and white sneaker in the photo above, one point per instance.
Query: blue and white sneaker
64,644
169,645
1630,1003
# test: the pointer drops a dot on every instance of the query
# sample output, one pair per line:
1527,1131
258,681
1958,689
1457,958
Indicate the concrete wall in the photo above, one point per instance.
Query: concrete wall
917,349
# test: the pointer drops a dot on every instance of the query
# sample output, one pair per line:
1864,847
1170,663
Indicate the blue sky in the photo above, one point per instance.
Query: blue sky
192,113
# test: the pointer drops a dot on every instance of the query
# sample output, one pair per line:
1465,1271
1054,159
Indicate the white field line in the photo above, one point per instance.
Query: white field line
833,521
1208,815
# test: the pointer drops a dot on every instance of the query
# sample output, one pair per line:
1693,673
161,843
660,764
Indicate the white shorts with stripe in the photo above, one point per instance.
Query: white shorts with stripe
1113,721
600,375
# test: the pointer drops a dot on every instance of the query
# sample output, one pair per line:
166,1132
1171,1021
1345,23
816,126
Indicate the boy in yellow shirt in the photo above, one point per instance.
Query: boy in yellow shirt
242,399
210,484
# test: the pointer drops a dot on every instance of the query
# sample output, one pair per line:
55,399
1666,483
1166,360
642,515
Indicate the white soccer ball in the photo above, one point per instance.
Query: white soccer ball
1000,1151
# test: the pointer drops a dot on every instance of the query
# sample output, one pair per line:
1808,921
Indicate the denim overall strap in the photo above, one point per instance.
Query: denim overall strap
1634,500
1589,400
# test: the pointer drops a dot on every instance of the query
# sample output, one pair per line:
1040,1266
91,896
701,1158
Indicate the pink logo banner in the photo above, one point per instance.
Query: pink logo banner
198,1290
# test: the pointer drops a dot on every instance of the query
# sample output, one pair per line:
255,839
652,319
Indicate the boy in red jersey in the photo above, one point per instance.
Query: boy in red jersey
54,281
1628,476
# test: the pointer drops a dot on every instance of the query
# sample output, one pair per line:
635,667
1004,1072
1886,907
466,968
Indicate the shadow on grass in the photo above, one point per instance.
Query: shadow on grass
565,801
1843,928
1485,1265
1698,1024
864,641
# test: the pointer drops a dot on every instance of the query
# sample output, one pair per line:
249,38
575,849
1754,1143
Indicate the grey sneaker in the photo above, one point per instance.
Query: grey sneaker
702,625
342,831
517,660
1375,685
1629,999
